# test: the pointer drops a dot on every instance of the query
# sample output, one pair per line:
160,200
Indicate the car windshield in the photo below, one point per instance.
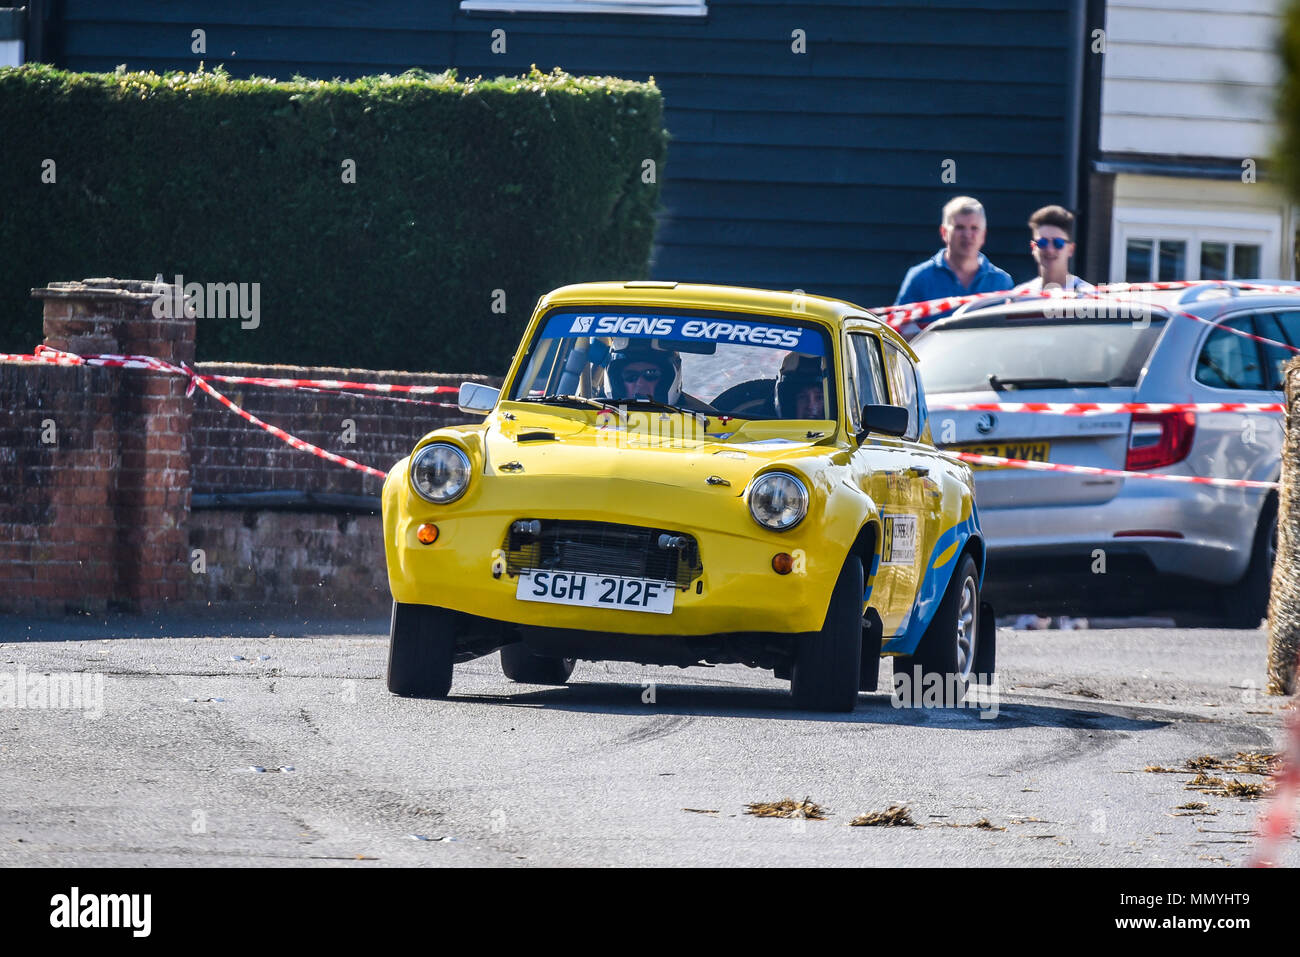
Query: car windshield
1034,353
752,367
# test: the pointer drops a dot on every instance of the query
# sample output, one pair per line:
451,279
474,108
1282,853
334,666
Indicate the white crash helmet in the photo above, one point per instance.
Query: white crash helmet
626,351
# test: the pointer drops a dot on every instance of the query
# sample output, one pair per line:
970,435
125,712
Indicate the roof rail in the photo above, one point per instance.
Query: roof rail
1194,293
976,304
1234,287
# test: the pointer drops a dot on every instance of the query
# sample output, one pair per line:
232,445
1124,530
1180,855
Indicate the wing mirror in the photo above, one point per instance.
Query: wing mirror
888,419
477,397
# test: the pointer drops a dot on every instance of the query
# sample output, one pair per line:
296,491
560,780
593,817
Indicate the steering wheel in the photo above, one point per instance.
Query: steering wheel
754,398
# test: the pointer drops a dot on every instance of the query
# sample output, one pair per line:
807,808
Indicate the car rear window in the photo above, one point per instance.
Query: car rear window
1035,353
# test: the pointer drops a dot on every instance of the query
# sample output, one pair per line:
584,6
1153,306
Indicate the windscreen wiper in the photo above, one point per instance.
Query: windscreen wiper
558,399
1004,385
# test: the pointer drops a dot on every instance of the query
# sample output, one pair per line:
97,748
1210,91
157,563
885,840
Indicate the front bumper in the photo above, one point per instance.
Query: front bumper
464,570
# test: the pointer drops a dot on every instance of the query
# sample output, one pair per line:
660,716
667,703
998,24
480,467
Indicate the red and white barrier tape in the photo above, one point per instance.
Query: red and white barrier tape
149,363
996,460
284,436
1108,408
335,385
899,314
1276,823
45,354
56,357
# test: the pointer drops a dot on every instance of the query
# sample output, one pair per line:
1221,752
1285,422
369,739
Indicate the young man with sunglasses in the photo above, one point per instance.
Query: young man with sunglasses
1051,244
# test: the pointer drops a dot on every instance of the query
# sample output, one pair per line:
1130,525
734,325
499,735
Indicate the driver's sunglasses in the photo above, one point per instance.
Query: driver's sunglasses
1056,241
650,375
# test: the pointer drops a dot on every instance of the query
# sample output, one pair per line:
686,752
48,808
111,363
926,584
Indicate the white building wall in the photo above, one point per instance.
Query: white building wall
1190,77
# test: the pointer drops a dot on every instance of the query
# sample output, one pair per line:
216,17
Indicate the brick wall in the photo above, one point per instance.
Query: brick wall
316,562
95,463
231,455
313,562
57,459
100,469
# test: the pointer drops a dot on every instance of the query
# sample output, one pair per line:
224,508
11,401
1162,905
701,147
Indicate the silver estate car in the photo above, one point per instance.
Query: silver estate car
1090,544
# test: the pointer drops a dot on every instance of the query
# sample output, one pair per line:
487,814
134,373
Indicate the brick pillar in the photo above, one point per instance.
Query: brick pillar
124,491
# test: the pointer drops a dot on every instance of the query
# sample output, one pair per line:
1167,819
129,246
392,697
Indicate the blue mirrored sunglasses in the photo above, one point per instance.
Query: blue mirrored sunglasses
1056,241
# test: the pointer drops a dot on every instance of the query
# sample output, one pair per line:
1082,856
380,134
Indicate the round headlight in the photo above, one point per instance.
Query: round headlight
778,501
440,473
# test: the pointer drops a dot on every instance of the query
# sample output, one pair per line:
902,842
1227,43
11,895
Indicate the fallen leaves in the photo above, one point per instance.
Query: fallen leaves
806,809
896,815
1243,762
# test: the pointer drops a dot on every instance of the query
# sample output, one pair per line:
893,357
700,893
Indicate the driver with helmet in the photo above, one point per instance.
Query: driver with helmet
639,370
800,388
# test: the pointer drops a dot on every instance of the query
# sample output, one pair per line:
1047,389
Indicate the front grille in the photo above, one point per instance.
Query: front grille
602,548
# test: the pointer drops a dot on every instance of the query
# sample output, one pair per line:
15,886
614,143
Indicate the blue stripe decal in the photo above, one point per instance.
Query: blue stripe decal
875,564
933,585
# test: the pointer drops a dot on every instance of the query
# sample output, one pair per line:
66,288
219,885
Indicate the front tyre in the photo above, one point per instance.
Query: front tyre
520,664
421,650
949,648
827,663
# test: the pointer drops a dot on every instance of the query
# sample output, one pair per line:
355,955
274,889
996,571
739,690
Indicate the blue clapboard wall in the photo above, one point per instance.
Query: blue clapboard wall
819,171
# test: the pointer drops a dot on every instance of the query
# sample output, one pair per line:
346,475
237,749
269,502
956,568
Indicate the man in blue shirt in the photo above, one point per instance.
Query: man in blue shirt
958,269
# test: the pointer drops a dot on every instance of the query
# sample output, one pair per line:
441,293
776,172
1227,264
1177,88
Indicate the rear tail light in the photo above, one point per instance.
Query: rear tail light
1157,439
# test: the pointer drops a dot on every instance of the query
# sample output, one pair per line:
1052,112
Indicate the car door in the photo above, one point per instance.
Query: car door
881,467
925,468
1231,367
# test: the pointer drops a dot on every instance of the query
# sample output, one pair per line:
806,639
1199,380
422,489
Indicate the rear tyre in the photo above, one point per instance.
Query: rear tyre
827,664
949,648
421,650
1245,604
520,664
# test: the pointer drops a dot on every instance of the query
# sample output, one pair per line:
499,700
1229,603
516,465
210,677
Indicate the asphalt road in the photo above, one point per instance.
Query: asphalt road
598,774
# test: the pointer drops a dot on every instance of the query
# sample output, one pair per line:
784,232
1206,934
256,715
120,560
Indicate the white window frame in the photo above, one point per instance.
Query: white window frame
652,8
1195,227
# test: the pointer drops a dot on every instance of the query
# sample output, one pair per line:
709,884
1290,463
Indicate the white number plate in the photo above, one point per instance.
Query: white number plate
596,591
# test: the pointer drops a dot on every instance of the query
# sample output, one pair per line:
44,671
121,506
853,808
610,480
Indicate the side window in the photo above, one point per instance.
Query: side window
902,385
1280,327
1231,361
868,376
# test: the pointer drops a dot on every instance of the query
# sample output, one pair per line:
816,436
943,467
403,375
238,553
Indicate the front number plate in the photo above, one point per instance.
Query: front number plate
596,591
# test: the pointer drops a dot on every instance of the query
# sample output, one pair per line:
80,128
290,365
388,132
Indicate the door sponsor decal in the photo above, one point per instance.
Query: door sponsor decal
899,546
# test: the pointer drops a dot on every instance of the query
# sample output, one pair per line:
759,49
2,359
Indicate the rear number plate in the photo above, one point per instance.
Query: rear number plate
1031,451
596,591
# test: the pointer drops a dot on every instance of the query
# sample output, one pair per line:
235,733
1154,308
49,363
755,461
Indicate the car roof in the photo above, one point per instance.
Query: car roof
682,295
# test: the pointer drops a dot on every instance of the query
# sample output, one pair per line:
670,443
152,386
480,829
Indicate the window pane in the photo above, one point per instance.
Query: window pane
1231,361
1137,260
1214,260
902,385
1290,326
868,371
1083,349
1245,262
1173,260
1277,356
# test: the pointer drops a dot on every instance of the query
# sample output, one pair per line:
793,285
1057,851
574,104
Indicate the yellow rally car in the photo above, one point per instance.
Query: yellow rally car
678,474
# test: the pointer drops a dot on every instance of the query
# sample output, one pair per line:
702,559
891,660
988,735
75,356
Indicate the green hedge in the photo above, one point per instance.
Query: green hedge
518,184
